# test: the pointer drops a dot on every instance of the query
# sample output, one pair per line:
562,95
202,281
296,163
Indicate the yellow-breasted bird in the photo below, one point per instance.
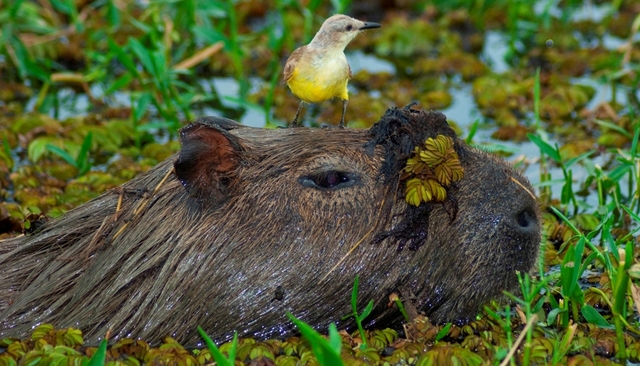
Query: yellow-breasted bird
319,71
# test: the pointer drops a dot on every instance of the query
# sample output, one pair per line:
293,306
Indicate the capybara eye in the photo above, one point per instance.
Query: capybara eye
331,179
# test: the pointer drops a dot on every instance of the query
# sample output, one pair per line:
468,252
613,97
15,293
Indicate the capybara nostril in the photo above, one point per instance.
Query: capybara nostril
526,220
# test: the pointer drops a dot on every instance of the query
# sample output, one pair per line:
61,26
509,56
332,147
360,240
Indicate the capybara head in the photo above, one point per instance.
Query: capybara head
245,224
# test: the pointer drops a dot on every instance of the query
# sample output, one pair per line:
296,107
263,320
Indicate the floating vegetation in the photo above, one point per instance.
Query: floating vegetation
474,344
431,169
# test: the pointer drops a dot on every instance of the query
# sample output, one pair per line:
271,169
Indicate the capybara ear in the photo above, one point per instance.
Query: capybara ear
207,162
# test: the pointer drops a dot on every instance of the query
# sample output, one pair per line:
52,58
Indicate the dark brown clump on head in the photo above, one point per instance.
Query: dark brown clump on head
398,132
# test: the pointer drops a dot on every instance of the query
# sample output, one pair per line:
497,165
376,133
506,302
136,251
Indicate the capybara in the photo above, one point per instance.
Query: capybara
245,224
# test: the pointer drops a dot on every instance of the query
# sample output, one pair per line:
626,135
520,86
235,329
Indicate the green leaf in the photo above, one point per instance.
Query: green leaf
443,332
37,147
36,361
26,66
159,64
113,15
210,35
634,271
143,55
327,353
633,215
578,159
354,296
472,131
100,355
146,29
552,152
571,265
120,83
567,189
614,127
7,37
340,6
63,154
593,316
515,298
61,6
553,314
367,310
142,106
335,341
13,11
34,70
577,295
123,57
82,161
536,97
218,356
5,154
636,136
538,305
619,172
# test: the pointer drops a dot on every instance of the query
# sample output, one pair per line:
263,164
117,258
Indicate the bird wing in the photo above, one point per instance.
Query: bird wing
292,61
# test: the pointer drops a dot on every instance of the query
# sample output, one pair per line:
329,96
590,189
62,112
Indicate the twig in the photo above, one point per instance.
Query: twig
199,56
143,204
515,346
356,244
118,207
523,187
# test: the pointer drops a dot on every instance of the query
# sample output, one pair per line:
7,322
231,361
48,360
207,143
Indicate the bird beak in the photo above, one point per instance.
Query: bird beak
369,25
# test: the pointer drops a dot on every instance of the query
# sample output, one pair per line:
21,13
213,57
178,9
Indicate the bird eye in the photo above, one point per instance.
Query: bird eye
349,28
328,180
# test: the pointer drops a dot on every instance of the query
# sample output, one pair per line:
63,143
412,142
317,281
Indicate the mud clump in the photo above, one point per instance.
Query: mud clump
245,224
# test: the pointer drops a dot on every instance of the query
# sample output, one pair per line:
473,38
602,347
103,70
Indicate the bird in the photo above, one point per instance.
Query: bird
319,71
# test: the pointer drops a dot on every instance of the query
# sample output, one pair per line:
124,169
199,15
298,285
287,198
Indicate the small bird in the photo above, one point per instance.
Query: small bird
319,71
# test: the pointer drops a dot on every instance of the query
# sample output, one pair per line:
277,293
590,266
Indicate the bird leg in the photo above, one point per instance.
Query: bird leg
294,123
344,111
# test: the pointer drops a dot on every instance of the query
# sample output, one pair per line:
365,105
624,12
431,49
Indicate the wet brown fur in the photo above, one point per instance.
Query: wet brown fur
236,240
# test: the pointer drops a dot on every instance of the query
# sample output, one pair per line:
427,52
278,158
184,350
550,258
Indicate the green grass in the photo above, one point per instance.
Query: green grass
359,317
218,356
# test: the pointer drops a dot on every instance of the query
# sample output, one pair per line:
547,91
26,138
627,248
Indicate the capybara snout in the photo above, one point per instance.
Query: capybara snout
245,224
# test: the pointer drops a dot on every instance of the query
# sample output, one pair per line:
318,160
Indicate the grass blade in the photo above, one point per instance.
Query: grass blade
327,353
63,154
545,147
99,357
218,356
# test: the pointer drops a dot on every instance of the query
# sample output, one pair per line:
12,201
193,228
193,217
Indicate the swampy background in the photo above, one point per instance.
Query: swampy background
93,93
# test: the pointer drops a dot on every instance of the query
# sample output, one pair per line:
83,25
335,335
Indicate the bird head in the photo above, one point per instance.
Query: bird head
338,30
